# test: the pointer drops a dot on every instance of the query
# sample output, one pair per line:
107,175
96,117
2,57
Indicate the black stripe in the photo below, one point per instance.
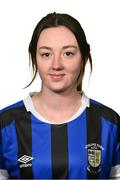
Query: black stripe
23,126
93,138
7,116
59,148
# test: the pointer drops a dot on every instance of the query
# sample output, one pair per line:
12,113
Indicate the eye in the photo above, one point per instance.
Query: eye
68,54
45,55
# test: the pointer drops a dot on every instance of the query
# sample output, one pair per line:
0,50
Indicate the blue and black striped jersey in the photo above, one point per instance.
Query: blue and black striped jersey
86,147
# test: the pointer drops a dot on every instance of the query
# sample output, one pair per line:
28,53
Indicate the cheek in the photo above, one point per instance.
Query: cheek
75,69
41,69
76,73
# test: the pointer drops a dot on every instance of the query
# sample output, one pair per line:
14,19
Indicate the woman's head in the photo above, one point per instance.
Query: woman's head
56,20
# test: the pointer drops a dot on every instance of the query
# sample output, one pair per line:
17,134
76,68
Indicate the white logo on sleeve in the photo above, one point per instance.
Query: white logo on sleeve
24,161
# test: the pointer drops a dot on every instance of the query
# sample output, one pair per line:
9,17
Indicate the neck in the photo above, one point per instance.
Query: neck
52,105
59,101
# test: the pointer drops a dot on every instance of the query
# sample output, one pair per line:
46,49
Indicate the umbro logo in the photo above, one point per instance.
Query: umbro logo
24,160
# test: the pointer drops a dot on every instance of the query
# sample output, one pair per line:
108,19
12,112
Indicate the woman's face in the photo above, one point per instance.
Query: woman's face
58,59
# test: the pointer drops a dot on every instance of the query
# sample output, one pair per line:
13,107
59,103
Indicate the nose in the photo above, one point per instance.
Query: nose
57,63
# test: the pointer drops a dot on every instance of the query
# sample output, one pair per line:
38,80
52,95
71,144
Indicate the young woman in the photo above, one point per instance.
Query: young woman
58,132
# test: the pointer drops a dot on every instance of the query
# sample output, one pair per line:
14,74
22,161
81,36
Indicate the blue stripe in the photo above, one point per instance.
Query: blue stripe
41,149
107,141
15,105
10,149
76,145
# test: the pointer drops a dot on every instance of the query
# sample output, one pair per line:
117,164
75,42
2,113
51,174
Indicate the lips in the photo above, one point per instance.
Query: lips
57,76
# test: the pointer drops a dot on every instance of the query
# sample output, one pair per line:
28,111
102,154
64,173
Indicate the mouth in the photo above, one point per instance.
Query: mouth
57,76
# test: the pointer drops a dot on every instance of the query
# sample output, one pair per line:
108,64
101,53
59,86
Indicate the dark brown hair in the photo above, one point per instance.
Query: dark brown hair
55,20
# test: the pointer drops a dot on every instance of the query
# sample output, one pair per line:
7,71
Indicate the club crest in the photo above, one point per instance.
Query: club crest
94,152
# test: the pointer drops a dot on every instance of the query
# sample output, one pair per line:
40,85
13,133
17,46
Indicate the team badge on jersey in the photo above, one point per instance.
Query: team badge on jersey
94,152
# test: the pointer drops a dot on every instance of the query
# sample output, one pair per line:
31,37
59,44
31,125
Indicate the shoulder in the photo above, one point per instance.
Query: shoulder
104,111
12,106
9,113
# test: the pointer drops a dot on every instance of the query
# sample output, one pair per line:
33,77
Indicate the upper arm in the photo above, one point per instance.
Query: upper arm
115,171
3,172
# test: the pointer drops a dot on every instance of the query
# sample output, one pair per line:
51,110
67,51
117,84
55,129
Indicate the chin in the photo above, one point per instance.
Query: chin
61,90
58,90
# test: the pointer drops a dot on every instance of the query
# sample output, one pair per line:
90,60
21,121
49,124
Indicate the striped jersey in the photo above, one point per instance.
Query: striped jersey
87,146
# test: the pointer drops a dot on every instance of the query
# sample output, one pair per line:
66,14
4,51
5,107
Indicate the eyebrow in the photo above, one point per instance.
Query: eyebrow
64,47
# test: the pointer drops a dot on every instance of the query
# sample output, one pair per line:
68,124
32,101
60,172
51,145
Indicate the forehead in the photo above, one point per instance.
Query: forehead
60,35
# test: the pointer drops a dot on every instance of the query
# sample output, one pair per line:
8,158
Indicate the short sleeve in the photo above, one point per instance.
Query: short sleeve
115,171
2,163
3,172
